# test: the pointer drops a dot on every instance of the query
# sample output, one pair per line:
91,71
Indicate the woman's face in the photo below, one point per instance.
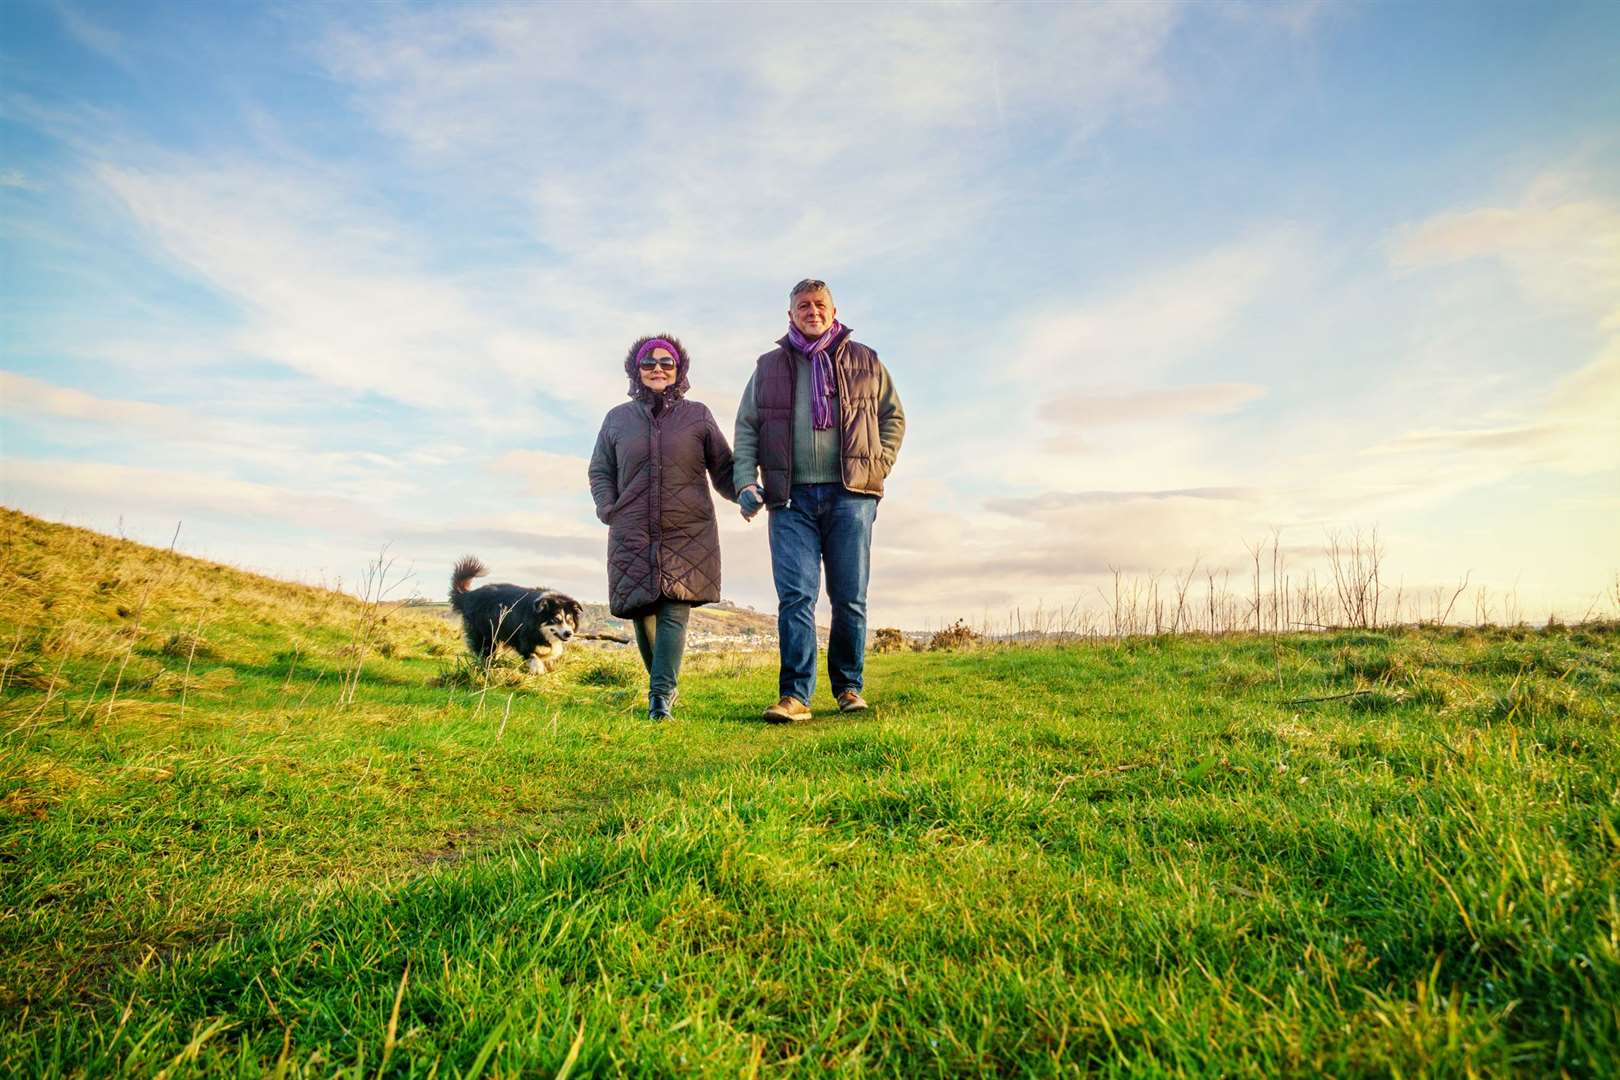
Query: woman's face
659,375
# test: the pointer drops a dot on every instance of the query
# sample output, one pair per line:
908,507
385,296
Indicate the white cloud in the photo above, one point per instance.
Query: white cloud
471,79
314,279
17,179
1166,316
546,474
100,486
1562,246
1298,17
93,34
1072,400
931,560
157,436
344,294
21,395
652,175
1099,409
1575,429
1164,497
78,416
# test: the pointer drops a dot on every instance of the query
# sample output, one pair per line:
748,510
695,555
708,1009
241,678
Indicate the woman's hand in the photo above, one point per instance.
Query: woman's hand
751,501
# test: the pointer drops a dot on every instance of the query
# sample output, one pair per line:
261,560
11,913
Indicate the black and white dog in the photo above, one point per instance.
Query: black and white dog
532,622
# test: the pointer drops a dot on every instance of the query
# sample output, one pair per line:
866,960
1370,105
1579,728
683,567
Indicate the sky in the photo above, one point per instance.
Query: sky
307,282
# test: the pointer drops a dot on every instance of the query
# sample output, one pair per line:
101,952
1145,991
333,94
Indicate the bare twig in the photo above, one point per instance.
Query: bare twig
1326,697
1460,590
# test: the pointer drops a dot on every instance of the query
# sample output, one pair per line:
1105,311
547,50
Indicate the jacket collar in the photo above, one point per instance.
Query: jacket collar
672,401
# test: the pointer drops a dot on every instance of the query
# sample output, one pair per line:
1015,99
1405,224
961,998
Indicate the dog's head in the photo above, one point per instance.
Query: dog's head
557,615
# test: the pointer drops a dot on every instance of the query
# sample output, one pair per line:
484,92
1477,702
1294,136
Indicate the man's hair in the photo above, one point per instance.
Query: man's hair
809,284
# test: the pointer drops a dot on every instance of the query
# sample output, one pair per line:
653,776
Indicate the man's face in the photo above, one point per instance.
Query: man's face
813,312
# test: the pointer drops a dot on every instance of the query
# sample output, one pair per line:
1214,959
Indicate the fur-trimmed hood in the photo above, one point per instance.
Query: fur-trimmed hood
683,363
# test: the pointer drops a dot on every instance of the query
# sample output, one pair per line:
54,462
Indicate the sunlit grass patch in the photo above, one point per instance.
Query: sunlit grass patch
606,671
468,673
1300,854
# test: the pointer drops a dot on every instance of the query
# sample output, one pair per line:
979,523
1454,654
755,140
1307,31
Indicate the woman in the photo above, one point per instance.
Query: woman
648,483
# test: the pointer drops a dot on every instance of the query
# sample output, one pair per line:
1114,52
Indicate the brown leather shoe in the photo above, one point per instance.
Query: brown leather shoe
788,709
851,701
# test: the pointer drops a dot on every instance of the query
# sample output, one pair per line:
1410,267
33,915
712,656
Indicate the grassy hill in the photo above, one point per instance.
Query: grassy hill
250,827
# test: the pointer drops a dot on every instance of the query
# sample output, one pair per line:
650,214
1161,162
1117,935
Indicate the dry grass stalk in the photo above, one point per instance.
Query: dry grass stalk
375,587
191,653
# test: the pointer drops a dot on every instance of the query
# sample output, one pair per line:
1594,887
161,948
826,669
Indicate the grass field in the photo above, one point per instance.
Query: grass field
248,827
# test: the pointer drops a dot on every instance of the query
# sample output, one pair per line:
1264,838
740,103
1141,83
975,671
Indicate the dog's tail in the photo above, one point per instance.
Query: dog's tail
460,577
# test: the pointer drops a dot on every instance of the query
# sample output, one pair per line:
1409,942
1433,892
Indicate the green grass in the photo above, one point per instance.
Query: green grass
1123,857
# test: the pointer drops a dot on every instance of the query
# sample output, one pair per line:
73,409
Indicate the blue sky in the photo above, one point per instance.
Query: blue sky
1153,279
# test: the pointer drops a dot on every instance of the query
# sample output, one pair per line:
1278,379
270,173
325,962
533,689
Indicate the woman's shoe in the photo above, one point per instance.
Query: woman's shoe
658,706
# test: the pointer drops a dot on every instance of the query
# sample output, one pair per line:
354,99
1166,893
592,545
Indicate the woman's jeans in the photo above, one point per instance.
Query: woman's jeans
822,525
661,637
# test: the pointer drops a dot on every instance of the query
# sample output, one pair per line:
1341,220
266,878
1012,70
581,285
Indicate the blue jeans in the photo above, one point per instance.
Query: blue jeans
822,525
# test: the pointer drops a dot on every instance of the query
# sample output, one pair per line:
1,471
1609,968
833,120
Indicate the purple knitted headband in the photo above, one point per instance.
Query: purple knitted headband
657,342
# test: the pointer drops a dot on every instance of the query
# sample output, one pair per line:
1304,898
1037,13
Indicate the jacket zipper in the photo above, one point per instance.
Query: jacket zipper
655,453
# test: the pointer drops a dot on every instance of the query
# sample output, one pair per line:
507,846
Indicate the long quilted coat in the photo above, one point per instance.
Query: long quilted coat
647,478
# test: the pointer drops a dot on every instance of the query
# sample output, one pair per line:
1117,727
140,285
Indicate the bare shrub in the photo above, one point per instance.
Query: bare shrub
888,639
1355,561
958,635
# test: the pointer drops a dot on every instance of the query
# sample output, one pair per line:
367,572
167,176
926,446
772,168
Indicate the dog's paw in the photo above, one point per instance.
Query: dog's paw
534,666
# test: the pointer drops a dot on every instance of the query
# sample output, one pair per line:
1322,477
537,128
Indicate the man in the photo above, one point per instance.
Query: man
821,421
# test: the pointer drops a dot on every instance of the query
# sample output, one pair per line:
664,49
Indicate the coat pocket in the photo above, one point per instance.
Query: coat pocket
626,497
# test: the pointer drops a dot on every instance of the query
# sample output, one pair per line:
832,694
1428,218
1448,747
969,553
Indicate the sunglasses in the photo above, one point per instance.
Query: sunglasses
665,362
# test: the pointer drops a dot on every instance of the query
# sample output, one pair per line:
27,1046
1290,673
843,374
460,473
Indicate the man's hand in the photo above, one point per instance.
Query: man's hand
751,501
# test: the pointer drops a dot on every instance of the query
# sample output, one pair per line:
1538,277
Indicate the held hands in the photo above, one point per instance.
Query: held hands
751,501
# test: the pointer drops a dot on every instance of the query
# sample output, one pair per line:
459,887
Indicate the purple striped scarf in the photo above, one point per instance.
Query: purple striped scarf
821,376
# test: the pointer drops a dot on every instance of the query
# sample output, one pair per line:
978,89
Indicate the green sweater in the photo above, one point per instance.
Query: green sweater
815,453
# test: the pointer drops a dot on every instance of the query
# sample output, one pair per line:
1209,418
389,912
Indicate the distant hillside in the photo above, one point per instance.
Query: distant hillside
713,626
